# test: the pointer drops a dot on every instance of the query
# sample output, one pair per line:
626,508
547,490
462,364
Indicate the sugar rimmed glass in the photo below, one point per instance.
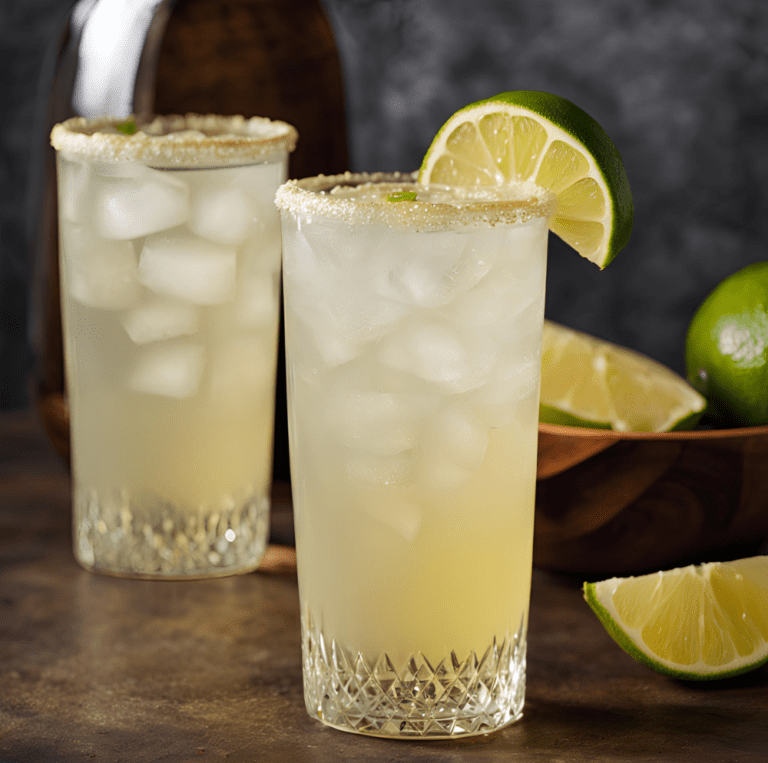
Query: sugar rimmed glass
413,337
169,262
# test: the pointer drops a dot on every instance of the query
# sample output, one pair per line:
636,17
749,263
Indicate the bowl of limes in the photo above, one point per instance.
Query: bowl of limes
640,469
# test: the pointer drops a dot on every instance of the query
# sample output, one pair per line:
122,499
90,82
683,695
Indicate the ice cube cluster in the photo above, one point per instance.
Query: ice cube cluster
413,345
185,262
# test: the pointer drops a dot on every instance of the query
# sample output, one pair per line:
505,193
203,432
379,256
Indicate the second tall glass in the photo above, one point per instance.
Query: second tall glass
413,336
170,263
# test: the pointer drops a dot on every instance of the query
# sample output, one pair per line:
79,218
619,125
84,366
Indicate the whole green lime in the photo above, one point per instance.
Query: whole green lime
726,348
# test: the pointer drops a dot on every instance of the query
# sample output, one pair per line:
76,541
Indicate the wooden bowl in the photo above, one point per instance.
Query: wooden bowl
620,503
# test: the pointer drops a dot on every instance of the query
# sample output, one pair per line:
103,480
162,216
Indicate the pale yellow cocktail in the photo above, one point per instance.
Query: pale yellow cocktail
413,334
170,267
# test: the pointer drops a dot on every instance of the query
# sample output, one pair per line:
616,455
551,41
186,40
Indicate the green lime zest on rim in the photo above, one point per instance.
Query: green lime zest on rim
128,127
402,196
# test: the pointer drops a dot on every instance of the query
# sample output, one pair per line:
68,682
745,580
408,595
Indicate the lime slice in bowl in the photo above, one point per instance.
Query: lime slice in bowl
528,135
693,623
589,382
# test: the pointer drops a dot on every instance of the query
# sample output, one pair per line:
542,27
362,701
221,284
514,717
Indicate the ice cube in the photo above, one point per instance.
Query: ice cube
402,517
431,269
242,369
255,307
316,347
452,449
147,201
321,258
169,369
257,299
340,321
188,268
519,336
371,470
158,318
496,403
381,423
99,272
459,436
222,215
524,249
365,316
302,272
327,288
344,322
515,280
260,181
309,274
261,254
73,184
439,353
337,330
229,205
257,302
496,298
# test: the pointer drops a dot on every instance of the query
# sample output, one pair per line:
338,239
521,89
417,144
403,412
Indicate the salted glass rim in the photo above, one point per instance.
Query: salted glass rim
436,207
174,139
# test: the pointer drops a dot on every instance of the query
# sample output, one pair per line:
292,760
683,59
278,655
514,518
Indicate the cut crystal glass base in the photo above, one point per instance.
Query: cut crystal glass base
425,701
116,535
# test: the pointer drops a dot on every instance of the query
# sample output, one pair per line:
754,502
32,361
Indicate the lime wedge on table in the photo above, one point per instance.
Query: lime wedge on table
527,135
695,623
588,382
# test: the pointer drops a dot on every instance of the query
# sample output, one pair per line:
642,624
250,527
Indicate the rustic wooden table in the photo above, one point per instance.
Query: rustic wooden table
97,668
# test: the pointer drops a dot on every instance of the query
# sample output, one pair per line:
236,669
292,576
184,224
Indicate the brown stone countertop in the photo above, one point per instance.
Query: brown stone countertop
108,670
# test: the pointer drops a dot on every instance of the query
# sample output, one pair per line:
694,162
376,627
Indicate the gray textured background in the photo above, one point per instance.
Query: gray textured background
681,86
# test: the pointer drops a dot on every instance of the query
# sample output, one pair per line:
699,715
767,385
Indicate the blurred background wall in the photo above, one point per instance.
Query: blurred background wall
680,85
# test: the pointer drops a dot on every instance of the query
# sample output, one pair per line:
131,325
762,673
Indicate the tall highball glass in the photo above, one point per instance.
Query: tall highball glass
413,338
170,262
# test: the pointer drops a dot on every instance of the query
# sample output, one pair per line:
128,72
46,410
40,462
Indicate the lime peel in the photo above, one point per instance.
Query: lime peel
128,127
550,415
402,196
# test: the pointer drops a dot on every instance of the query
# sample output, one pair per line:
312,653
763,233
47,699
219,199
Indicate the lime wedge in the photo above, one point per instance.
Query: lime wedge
592,383
695,623
527,135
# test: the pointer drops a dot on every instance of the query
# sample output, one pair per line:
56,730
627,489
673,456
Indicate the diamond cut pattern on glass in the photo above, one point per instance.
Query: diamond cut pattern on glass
449,699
